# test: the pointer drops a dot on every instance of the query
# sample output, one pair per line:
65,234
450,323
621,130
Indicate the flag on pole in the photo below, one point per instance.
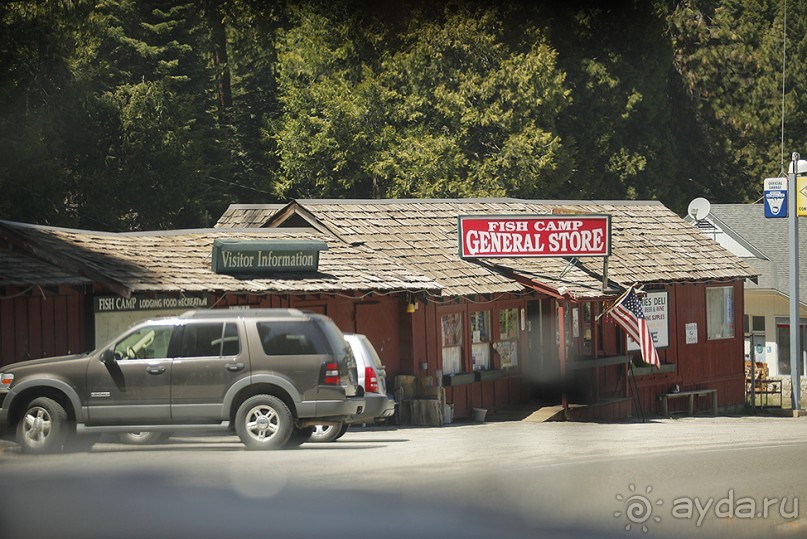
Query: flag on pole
628,313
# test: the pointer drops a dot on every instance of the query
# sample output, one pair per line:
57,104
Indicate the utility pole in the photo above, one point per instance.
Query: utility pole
793,225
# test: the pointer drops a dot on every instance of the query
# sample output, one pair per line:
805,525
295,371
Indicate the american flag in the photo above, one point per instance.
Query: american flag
628,313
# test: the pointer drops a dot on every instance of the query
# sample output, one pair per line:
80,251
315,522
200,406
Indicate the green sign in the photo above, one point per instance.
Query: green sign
235,257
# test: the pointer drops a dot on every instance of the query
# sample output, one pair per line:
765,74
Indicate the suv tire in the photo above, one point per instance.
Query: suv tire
299,437
143,438
80,443
264,422
328,433
43,427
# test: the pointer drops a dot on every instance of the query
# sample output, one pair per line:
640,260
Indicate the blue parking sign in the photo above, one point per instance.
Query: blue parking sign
775,198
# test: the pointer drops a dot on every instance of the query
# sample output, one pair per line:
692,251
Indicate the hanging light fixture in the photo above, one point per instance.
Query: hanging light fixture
411,305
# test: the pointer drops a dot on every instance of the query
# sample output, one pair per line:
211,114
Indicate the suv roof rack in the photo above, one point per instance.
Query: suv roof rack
241,313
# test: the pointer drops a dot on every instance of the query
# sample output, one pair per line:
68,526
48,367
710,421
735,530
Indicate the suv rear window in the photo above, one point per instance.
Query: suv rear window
291,338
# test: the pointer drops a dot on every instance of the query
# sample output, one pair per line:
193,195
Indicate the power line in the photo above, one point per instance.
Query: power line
240,186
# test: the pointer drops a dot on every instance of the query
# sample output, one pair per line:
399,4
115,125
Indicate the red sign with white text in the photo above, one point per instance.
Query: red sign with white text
517,236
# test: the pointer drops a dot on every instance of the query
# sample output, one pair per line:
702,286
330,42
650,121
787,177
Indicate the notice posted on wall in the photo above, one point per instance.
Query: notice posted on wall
656,312
691,333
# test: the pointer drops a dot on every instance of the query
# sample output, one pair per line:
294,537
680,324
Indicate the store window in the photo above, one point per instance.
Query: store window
570,318
452,343
480,340
588,329
507,345
720,312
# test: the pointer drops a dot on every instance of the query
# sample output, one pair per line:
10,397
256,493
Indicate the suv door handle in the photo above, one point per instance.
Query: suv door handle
234,367
155,369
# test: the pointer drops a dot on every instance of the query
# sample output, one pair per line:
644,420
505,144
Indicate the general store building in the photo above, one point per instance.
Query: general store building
488,332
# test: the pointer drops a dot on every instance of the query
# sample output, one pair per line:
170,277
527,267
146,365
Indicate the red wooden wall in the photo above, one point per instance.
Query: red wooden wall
55,321
44,322
376,316
422,330
708,363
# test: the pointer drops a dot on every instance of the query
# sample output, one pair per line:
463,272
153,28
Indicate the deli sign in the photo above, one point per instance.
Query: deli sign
485,236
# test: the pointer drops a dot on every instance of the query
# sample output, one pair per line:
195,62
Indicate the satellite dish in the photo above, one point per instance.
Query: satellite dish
699,208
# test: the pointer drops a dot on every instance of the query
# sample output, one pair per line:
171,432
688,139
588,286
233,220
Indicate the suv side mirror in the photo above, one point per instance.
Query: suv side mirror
108,356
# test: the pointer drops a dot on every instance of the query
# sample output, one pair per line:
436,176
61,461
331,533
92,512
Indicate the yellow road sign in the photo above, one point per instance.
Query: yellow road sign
801,196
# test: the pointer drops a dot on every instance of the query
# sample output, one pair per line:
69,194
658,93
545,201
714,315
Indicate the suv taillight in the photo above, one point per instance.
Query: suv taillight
370,380
330,373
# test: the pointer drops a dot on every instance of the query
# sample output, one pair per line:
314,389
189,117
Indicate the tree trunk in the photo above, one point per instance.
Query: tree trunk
215,22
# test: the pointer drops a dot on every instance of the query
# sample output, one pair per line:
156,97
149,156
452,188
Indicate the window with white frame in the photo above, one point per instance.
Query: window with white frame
720,312
507,345
452,342
480,340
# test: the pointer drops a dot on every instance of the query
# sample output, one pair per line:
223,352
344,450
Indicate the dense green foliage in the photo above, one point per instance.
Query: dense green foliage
141,114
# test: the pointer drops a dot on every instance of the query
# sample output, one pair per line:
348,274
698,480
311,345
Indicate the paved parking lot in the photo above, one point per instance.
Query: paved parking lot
562,475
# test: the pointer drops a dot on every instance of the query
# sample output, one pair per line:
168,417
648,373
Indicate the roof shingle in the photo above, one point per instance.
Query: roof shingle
180,261
650,243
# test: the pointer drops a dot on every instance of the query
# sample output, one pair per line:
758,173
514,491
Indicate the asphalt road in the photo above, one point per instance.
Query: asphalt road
691,477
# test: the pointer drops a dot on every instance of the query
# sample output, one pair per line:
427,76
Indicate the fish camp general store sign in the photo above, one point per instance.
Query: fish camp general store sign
544,236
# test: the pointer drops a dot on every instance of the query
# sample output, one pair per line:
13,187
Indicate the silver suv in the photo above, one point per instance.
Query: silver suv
271,374
372,378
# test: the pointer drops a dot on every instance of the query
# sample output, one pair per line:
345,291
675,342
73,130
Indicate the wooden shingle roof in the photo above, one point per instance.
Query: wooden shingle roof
650,243
247,215
20,269
180,261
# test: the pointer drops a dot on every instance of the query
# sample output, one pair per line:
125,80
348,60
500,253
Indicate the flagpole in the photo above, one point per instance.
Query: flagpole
615,303
635,391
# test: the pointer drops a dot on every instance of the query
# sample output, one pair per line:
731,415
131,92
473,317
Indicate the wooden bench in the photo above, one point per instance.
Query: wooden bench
665,397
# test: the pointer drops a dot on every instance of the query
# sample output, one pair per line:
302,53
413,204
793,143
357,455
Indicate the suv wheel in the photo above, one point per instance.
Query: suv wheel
80,443
328,433
43,428
143,438
263,422
299,437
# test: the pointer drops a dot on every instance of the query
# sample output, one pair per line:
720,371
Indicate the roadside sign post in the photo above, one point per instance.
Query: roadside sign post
796,167
801,195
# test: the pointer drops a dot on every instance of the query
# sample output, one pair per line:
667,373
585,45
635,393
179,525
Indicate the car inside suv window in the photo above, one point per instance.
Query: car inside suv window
336,338
362,346
230,344
210,339
291,338
145,343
